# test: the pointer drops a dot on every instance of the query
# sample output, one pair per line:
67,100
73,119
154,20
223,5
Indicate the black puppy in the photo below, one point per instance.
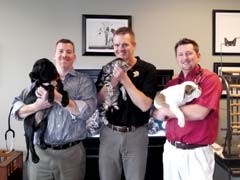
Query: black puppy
44,74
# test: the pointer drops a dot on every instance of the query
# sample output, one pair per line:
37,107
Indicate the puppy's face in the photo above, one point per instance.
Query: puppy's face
190,91
44,71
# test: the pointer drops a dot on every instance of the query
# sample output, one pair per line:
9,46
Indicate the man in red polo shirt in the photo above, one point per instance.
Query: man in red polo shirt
188,153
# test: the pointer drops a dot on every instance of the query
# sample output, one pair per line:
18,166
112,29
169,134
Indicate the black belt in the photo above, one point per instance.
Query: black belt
184,146
62,146
122,128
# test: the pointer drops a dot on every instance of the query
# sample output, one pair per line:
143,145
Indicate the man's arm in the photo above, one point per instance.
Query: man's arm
142,101
39,104
192,112
138,97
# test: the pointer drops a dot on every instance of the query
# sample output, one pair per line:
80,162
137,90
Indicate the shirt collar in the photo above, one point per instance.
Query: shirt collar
191,76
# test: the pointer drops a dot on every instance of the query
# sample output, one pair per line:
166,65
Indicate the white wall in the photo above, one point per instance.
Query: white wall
30,28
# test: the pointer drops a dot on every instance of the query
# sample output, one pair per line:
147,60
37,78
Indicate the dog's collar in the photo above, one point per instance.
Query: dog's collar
53,83
46,84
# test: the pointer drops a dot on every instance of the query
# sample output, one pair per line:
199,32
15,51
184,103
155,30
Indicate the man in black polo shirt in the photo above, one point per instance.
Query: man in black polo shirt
124,138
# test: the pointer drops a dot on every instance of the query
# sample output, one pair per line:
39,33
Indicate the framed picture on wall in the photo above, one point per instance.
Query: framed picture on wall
97,33
226,34
230,71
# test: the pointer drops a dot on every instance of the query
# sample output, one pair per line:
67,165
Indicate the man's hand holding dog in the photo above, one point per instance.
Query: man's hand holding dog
163,113
118,75
40,104
41,93
42,99
115,78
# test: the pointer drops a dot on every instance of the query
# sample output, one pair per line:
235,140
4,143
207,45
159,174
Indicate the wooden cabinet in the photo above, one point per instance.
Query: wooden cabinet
226,168
11,165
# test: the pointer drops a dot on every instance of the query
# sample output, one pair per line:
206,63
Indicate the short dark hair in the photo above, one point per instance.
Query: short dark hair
125,30
187,41
66,41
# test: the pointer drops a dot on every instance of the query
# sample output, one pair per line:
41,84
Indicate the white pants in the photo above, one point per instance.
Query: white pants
179,164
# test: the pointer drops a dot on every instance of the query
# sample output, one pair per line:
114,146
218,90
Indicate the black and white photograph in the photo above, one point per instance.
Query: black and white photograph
226,34
97,33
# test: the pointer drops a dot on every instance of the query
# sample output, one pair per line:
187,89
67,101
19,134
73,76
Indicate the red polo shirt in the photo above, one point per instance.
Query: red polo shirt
201,131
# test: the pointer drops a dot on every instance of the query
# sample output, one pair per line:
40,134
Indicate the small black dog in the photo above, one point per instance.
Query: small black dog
44,74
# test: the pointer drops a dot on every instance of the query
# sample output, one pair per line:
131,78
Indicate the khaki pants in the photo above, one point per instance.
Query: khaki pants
67,164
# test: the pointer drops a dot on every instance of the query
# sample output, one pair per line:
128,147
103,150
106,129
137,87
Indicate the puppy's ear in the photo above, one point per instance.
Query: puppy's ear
33,76
35,73
159,100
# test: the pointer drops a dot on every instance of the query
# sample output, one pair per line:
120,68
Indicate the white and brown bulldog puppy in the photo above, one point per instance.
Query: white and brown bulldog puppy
175,96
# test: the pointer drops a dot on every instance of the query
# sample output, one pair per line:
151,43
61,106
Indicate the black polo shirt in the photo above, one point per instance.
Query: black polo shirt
142,75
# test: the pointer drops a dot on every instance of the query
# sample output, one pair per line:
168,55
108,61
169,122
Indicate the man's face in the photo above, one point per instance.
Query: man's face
64,55
123,46
187,58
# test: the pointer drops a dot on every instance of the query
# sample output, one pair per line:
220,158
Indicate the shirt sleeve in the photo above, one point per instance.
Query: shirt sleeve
87,99
211,91
18,102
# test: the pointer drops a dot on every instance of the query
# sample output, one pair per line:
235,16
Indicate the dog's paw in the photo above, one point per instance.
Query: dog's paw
65,99
27,156
181,123
43,146
35,159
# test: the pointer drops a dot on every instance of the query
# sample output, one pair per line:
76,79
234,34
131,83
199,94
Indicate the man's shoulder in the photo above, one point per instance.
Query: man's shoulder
209,73
145,64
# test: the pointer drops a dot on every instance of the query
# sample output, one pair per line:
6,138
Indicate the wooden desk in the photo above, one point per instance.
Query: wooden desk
11,163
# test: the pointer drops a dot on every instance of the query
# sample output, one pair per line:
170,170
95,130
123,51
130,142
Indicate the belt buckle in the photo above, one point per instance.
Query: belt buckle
124,129
177,144
132,128
128,129
57,146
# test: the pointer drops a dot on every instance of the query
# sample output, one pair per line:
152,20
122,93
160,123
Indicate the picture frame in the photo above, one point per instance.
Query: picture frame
97,33
226,36
220,67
